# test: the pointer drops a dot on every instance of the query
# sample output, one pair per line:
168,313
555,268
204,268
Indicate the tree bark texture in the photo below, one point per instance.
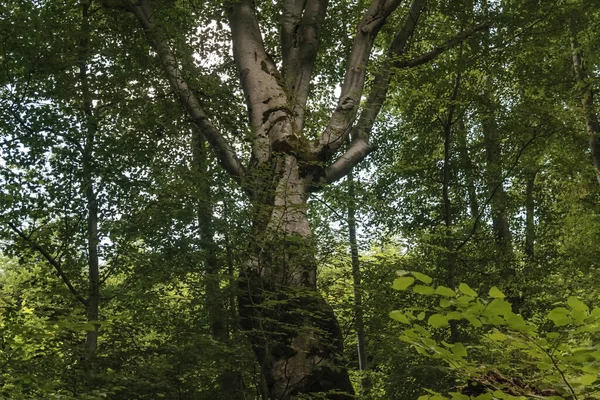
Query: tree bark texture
586,96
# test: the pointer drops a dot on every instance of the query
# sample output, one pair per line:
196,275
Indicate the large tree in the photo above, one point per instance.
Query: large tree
293,331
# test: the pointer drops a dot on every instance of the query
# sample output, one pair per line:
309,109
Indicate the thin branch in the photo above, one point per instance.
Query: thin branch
554,362
433,54
51,260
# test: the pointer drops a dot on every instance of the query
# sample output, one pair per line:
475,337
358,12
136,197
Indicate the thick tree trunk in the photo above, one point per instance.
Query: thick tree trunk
293,330
359,325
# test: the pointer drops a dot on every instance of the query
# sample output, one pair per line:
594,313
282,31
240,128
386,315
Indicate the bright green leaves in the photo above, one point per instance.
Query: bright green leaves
560,316
496,293
506,333
403,282
422,289
498,307
588,379
497,336
577,305
422,277
459,349
399,316
465,289
438,321
445,291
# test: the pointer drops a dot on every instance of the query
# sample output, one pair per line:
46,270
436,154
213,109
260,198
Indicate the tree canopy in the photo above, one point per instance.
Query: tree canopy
222,199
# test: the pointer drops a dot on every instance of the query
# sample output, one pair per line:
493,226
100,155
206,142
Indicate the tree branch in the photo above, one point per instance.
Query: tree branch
300,37
266,99
433,54
353,85
51,260
224,152
359,148
381,83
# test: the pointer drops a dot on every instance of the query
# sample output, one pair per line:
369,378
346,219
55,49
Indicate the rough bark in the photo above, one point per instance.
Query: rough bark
294,332
361,344
586,97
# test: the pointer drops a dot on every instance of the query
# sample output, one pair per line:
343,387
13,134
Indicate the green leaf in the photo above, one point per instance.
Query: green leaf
458,349
560,316
590,369
422,289
403,283
588,379
421,316
459,396
445,291
438,321
577,304
553,335
465,289
497,336
399,316
498,307
484,396
496,293
422,277
445,303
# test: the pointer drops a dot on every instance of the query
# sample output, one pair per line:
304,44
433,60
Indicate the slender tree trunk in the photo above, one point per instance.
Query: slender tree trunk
450,251
468,168
587,101
495,180
359,325
230,381
293,330
93,300
529,215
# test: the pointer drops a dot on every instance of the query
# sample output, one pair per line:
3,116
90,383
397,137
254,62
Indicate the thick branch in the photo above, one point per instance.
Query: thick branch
382,81
357,151
265,97
51,260
353,85
300,36
225,154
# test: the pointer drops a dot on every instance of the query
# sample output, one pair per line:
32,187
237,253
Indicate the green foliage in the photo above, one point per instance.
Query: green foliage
554,351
